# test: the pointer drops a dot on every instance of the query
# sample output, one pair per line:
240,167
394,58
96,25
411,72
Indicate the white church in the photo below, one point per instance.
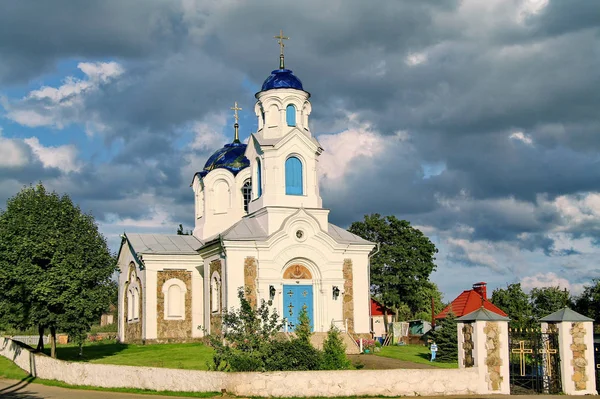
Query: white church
259,225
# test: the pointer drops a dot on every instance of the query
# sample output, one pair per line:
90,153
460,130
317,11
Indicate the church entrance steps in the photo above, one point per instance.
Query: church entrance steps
318,338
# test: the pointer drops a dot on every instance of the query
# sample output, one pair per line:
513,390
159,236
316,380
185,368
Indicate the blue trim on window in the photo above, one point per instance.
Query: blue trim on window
290,115
293,176
258,178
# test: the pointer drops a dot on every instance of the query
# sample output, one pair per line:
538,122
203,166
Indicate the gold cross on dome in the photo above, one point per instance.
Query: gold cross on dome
235,109
522,351
546,350
280,40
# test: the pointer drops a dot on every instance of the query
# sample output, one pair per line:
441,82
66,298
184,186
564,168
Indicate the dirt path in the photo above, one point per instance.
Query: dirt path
372,362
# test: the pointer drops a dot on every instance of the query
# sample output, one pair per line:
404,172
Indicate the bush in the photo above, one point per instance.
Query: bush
334,352
296,354
446,340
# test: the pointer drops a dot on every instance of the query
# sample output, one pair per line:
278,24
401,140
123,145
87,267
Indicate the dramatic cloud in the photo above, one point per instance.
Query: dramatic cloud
476,120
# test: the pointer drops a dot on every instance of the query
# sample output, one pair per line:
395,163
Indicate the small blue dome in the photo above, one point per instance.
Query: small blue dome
230,157
282,79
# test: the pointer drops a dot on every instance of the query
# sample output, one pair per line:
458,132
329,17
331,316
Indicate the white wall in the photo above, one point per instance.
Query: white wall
402,382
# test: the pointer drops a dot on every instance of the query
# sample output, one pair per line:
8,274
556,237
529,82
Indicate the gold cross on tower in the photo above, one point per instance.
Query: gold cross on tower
522,351
548,355
280,40
235,109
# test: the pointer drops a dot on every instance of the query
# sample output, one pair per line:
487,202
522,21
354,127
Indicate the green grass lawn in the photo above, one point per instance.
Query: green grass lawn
413,353
10,370
194,356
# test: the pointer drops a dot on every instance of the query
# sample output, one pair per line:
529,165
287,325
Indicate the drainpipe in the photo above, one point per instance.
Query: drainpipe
369,288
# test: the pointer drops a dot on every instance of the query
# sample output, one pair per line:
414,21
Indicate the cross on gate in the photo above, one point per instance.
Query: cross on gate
291,308
522,351
548,352
304,293
290,293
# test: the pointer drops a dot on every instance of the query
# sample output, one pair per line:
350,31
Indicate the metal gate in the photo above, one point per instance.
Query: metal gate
534,362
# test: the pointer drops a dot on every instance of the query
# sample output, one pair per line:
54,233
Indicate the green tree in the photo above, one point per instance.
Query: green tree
334,352
588,303
400,270
304,329
446,339
516,303
55,267
182,232
547,300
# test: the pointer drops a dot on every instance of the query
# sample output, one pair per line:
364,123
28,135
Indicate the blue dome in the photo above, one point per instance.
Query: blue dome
282,79
230,157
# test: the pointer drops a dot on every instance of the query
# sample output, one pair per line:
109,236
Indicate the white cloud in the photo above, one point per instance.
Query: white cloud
530,8
344,147
60,157
12,155
60,106
414,59
549,279
522,137
208,134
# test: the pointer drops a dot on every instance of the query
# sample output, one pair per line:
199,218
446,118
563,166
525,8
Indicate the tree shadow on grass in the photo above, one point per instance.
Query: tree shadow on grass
91,351
425,356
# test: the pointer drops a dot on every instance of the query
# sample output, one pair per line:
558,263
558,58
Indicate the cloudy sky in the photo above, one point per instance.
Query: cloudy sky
478,121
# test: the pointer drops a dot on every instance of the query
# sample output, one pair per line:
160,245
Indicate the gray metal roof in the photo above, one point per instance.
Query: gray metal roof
344,236
565,314
245,229
163,243
482,314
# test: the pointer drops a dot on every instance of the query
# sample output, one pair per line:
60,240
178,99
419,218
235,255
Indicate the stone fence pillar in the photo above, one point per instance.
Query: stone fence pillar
575,349
483,343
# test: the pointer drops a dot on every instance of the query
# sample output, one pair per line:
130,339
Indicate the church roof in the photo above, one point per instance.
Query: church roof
343,236
165,244
230,157
282,79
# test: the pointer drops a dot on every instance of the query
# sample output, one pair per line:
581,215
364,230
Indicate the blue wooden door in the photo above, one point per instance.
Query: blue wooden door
295,297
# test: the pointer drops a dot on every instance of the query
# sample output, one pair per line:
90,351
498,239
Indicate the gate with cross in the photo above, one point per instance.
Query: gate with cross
534,361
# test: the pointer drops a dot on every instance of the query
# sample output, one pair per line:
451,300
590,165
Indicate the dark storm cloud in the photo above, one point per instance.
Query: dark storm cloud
477,76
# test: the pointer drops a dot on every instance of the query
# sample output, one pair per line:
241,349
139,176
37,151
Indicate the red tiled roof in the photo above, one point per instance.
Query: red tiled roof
467,302
377,309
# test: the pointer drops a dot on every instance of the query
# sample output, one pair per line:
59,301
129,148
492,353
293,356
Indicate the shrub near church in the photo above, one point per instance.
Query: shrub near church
252,342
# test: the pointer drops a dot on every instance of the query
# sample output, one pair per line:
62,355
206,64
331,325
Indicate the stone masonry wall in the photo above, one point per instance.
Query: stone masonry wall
579,362
348,305
468,345
493,360
179,329
395,383
250,276
133,329
216,325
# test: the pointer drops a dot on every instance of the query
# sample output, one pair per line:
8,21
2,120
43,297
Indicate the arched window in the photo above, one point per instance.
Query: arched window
136,303
215,292
174,299
290,115
247,194
293,176
221,196
258,178
129,305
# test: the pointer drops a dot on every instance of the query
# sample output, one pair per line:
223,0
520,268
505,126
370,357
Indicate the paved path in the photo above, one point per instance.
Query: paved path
12,389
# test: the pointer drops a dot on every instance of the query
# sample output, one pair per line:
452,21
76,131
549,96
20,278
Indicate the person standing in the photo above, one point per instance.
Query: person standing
433,349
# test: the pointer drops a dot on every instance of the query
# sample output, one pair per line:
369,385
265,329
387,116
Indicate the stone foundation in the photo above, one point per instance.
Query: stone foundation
250,276
493,360
176,329
579,362
348,305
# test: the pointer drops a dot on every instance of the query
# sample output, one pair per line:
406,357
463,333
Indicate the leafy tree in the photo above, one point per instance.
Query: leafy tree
55,266
588,303
182,232
400,270
334,352
446,339
547,300
428,291
515,302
